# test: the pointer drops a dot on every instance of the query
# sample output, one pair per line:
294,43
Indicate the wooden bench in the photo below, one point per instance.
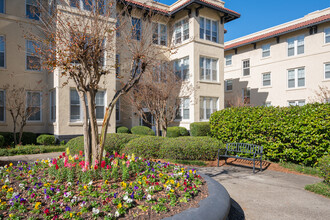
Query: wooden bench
255,150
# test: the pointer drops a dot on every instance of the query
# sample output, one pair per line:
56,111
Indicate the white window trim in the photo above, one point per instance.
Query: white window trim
262,79
246,68
50,105
181,67
4,105
159,34
104,104
231,60
262,50
204,37
328,63
296,78
211,104
26,105
326,28
181,110
182,40
295,39
4,51
297,102
26,54
211,74
226,90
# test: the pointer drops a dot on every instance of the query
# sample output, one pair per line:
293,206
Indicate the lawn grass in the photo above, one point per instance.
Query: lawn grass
320,188
188,162
302,169
31,149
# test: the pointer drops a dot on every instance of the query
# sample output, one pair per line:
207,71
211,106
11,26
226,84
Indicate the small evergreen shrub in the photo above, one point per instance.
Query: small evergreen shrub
142,130
173,132
2,141
123,129
46,139
62,143
27,138
183,131
145,146
324,165
199,129
31,149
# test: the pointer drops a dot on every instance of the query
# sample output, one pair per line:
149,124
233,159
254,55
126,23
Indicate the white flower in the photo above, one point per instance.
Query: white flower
168,188
7,180
95,211
90,183
109,214
125,197
15,194
117,214
129,200
21,185
73,200
69,183
151,187
82,205
148,197
67,194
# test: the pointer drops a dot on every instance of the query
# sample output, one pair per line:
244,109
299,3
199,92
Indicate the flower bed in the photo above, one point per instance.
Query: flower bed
118,186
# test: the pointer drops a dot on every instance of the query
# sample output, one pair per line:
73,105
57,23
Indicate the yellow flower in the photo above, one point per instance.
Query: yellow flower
37,160
71,214
130,184
11,164
106,182
3,203
160,175
182,169
4,186
10,190
119,206
67,151
56,181
167,182
37,205
85,187
190,171
79,213
11,215
144,178
139,182
8,170
46,161
46,184
70,158
165,185
92,167
123,184
172,181
172,190
30,171
178,185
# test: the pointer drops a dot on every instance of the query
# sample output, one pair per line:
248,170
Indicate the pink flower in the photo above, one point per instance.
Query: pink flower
108,167
80,153
103,164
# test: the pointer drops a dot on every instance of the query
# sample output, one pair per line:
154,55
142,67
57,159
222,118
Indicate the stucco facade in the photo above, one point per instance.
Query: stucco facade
287,63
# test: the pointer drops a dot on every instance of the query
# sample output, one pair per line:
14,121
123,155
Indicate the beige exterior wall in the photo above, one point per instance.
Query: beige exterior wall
316,54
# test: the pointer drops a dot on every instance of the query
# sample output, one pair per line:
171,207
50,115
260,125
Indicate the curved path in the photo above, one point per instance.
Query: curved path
269,194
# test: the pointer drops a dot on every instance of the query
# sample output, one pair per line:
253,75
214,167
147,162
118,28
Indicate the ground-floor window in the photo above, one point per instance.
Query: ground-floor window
208,105
52,103
33,106
183,111
296,102
2,105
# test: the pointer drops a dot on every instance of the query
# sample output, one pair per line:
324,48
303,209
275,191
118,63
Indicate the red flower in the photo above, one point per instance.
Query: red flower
80,153
54,161
108,167
60,156
56,166
63,154
46,211
95,167
157,183
103,164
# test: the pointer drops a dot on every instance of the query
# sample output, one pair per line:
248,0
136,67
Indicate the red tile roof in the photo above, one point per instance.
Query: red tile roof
278,32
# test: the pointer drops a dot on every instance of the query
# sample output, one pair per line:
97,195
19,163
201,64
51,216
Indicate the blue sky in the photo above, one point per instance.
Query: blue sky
257,15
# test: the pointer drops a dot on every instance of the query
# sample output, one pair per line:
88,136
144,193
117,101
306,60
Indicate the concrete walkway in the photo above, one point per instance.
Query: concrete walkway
269,194
265,195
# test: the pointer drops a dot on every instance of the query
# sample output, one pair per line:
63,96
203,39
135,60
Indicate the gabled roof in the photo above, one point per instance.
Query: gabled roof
281,31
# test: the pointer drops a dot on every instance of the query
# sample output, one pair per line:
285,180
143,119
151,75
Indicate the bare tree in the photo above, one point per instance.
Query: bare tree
160,92
80,42
322,95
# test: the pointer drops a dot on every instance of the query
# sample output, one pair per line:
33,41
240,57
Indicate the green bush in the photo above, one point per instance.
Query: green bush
62,143
2,141
142,130
145,146
183,131
199,129
324,165
27,138
46,139
173,132
123,129
113,142
31,149
293,134
190,148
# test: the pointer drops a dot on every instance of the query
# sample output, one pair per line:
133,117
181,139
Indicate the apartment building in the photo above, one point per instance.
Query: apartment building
198,38
280,66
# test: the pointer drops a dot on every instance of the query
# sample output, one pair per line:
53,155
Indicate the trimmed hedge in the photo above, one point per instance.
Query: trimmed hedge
27,138
113,142
31,149
173,132
46,139
123,129
145,146
200,129
2,140
142,130
295,134
183,131
324,165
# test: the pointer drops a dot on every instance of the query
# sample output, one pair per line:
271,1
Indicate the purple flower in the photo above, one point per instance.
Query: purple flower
67,208
136,187
52,188
17,196
33,195
132,196
45,191
115,195
20,168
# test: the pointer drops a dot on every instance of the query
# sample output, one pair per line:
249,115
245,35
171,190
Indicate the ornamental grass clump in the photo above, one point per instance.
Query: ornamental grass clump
118,186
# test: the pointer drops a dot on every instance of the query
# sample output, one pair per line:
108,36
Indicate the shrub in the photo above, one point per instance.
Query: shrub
145,146
142,130
183,131
27,138
123,129
324,165
62,143
2,141
190,148
199,129
46,139
31,149
113,142
294,134
173,132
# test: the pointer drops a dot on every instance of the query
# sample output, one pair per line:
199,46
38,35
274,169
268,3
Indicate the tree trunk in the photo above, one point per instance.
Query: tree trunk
157,127
164,131
87,144
21,132
94,129
15,138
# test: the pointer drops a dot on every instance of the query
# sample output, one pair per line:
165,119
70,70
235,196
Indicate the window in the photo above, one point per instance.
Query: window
208,105
228,60
117,65
327,35
136,68
118,110
2,51
296,102
296,45
208,29
327,71
229,85
265,50
296,78
32,9
2,105
208,69
2,6
246,67
159,35
118,25
183,111
76,111
246,96
267,104
33,106
266,79
181,31
32,59
181,67
136,28
52,102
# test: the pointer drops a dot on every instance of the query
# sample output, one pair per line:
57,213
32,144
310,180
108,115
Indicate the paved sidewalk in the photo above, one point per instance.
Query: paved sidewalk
269,194
29,157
